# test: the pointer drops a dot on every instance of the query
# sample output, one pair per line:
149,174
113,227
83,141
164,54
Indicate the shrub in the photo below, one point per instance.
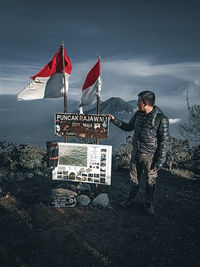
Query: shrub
21,157
179,155
177,152
122,156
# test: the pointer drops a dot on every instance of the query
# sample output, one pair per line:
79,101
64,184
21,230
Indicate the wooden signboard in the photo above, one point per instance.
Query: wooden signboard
81,125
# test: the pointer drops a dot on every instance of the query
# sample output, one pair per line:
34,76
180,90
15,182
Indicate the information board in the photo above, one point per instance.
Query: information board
83,163
82,125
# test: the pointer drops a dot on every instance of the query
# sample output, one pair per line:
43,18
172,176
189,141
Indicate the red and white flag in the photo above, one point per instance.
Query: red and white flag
49,82
92,86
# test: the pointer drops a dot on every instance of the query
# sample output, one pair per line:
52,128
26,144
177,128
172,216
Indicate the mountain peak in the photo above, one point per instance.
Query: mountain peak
113,105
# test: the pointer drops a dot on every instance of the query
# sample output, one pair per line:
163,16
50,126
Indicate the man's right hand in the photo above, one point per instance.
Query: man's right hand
111,116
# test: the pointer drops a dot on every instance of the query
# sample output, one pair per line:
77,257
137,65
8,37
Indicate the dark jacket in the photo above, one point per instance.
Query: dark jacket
151,133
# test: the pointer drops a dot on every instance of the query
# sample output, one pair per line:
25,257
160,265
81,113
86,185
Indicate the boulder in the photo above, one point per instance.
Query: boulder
67,186
83,187
62,198
71,187
63,191
101,201
83,200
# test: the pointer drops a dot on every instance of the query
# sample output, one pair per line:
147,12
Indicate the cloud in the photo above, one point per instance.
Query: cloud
173,121
123,78
169,81
144,68
11,79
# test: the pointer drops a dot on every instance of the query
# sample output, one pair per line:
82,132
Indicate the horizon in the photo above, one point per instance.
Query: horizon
33,121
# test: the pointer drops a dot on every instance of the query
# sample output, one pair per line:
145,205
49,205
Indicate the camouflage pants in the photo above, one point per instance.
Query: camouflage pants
141,164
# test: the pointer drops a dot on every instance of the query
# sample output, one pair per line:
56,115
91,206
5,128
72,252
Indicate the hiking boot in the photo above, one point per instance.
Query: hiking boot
126,203
149,208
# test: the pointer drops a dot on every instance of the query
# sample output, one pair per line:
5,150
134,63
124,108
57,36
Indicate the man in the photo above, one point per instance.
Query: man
151,132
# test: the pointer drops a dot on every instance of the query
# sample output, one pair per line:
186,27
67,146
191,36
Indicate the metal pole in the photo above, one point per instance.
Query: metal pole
65,93
98,108
98,99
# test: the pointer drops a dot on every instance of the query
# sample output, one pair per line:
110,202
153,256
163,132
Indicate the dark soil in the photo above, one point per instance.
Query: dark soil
34,235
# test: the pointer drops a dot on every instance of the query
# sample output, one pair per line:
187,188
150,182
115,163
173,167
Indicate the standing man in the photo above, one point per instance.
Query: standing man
151,133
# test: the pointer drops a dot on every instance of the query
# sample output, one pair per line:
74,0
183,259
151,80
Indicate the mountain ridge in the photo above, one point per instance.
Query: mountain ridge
113,105
33,121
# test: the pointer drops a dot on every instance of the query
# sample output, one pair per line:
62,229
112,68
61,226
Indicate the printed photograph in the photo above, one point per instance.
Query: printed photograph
72,176
73,155
102,180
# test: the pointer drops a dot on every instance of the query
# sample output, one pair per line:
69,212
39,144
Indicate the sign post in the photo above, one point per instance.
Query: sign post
98,96
65,91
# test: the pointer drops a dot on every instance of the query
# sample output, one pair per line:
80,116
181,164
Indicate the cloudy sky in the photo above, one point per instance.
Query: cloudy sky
144,44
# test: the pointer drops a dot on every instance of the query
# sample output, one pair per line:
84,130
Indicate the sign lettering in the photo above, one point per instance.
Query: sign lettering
81,125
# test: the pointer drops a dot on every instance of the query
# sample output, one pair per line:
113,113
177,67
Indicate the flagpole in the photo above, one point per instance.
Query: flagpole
98,93
65,91
98,96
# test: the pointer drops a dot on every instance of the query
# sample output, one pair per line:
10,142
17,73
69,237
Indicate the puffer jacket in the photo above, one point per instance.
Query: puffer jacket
151,133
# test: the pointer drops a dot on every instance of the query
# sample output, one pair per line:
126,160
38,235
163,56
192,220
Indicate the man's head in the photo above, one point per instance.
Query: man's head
146,100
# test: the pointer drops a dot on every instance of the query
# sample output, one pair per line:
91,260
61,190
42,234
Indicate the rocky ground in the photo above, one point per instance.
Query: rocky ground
34,234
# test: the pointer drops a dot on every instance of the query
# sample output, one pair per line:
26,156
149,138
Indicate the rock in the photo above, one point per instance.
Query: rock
72,187
83,200
101,201
82,187
63,191
62,197
67,186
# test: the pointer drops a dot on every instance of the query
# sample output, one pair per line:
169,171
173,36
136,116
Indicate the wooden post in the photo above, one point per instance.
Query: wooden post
65,93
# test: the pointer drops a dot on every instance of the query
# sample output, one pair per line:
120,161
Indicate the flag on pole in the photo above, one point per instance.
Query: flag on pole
92,86
49,82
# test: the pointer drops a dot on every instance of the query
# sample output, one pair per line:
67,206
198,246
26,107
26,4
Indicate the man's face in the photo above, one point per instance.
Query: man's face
140,104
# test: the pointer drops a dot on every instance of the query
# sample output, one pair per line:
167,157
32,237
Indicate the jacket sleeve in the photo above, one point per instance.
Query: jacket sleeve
163,138
125,126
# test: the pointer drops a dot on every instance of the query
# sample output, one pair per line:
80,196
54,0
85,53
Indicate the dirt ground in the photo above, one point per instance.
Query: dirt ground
34,235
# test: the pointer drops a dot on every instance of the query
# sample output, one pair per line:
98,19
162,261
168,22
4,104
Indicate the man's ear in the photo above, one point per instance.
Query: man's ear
144,103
